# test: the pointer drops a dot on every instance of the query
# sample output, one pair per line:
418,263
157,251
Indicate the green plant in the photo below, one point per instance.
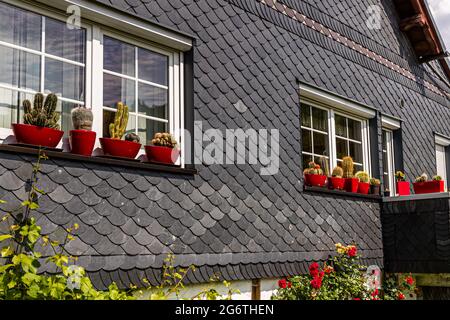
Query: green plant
164,139
337,172
437,178
82,118
313,168
133,137
400,176
348,167
118,127
398,286
375,182
324,165
363,176
43,113
422,178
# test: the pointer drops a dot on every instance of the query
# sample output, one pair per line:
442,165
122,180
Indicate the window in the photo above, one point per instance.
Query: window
39,54
93,66
388,161
333,134
442,144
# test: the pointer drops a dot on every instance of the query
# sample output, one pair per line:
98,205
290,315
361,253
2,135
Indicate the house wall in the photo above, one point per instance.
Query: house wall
230,219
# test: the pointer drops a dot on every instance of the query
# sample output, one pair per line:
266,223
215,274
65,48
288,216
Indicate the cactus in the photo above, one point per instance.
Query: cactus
82,118
363,176
164,139
324,165
133,137
117,128
347,166
313,168
43,112
422,178
437,178
400,176
375,182
337,172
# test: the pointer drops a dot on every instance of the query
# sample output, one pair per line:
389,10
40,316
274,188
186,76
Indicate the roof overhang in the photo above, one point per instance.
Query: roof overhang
418,24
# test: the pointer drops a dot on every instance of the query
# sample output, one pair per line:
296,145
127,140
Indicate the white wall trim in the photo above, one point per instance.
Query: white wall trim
126,23
390,122
441,140
327,99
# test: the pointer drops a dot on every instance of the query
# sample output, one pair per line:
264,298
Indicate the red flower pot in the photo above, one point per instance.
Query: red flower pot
351,184
336,183
428,187
162,154
363,187
38,136
316,180
120,148
82,142
403,188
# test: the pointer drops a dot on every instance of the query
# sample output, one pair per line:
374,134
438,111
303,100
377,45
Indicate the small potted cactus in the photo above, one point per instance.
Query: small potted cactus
422,185
163,149
402,186
336,181
375,186
40,122
314,176
351,183
115,146
364,182
82,138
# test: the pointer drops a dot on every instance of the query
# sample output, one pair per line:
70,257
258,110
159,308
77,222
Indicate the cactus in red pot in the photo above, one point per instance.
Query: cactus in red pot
82,138
163,149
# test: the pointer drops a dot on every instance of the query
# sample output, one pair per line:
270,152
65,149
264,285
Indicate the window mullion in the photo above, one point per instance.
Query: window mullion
42,86
332,140
97,81
136,90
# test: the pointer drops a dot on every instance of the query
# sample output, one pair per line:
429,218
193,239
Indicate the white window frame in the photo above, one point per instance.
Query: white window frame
443,142
333,161
390,160
146,33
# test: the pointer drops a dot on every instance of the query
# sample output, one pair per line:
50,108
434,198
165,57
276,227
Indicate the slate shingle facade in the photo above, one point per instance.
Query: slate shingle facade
229,219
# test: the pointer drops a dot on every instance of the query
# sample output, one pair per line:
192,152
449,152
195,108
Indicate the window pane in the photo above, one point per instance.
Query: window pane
66,119
354,129
116,89
153,67
357,168
20,27
64,79
307,140
8,107
306,115
118,56
356,152
320,144
320,119
20,69
306,159
341,126
384,140
64,42
147,129
108,117
152,101
341,148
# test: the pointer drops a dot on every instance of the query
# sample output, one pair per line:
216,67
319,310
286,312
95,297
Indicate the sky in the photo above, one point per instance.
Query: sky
441,13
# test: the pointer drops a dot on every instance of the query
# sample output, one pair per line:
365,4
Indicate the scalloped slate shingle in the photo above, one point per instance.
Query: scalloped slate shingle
229,218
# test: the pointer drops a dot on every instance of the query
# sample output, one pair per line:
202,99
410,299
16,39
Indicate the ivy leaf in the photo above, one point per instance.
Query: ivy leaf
6,252
4,237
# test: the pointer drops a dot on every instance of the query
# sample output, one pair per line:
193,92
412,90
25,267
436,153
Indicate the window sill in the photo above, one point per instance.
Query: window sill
341,193
100,160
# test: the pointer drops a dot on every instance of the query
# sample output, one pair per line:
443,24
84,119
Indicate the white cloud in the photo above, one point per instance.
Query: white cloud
441,13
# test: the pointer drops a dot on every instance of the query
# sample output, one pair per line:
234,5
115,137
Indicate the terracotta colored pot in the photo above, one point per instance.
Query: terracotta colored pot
375,190
315,180
363,187
336,183
82,142
162,154
120,148
351,184
428,187
38,136
403,188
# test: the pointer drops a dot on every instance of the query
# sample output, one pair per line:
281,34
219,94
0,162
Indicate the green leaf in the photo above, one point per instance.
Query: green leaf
5,237
6,252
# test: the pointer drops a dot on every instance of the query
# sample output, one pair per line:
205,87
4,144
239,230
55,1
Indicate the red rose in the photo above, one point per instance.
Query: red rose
375,293
352,252
321,274
316,283
282,283
314,269
356,298
401,296
289,284
409,280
